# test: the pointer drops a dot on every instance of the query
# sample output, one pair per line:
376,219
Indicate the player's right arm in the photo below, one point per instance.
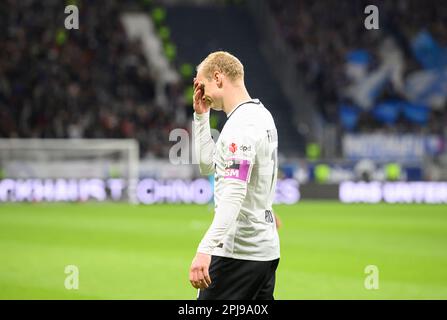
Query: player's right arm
204,144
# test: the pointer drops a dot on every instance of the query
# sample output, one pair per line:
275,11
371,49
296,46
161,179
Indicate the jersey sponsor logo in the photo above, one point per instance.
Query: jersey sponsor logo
232,147
232,164
245,148
231,173
237,169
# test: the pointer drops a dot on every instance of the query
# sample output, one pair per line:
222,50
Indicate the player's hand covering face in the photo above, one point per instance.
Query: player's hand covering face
200,103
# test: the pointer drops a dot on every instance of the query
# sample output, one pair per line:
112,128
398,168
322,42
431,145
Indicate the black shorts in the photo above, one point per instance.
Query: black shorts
234,279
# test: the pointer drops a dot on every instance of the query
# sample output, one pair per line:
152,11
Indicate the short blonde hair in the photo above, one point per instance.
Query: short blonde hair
224,62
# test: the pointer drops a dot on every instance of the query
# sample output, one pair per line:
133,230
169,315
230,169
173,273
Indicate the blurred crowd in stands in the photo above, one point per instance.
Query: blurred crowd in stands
391,79
96,83
86,83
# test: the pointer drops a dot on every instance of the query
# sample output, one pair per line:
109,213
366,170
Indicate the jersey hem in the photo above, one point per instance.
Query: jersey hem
243,257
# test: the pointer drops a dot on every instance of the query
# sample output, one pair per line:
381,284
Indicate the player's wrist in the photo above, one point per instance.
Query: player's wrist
201,116
202,254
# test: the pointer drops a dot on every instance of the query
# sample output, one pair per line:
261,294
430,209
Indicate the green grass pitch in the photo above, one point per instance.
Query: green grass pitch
144,252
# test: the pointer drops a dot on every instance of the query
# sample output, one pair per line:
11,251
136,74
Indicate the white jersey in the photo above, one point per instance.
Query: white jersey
244,163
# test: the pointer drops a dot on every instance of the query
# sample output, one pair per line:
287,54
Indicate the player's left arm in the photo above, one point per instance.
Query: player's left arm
239,155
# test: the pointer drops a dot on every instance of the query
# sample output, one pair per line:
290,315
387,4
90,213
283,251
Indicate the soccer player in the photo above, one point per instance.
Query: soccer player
238,256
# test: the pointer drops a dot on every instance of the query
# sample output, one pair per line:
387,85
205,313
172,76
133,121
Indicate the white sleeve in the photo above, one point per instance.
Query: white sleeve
225,215
204,144
239,158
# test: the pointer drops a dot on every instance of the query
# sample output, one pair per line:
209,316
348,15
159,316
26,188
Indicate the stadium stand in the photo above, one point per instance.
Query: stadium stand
88,83
392,79
56,83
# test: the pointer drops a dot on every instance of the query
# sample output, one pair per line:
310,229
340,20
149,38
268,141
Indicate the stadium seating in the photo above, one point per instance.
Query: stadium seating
88,83
343,64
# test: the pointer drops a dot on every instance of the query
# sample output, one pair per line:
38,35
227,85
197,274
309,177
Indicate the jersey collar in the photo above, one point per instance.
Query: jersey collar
255,101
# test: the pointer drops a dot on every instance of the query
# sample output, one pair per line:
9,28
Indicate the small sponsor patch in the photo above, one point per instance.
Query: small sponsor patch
237,169
233,147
